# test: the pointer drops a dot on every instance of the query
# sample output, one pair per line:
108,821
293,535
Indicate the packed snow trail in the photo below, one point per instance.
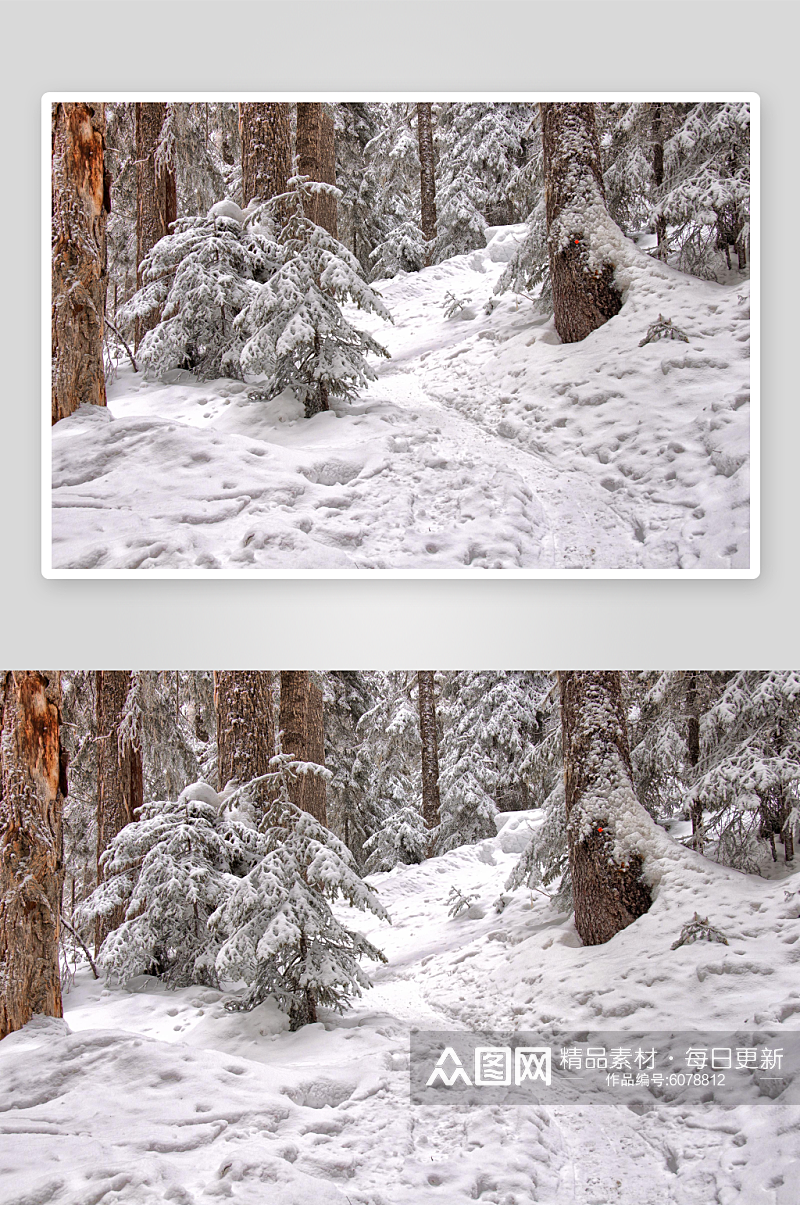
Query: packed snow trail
484,444
163,1096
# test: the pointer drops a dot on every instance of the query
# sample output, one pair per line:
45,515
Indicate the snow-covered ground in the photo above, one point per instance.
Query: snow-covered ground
146,1095
485,444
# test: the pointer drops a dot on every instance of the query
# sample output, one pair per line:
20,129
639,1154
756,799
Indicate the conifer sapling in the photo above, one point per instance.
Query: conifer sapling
293,327
277,929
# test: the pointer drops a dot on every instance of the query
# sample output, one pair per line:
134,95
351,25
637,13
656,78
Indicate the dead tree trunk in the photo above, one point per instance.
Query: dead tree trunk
119,776
266,135
156,193
245,727
80,210
693,751
607,885
301,721
31,869
427,178
584,294
430,748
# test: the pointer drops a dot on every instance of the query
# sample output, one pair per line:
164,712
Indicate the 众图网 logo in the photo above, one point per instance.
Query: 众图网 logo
493,1066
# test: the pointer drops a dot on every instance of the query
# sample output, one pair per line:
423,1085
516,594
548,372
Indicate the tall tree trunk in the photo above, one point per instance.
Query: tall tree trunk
430,748
245,726
657,128
314,789
427,178
309,119
119,776
584,294
327,206
607,884
80,210
301,721
316,156
693,750
266,135
31,868
156,195
293,709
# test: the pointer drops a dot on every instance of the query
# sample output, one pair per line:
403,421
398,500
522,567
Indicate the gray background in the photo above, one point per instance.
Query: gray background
445,46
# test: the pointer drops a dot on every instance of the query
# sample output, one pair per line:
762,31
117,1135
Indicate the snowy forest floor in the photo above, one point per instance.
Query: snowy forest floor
484,444
147,1095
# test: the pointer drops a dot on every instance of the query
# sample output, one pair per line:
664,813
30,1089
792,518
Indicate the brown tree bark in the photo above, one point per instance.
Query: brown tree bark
693,751
245,726
327,205
301,722
309,119
430,748
31,869
314,788
316,156
79,257
608,890
427,178
266,135
584,294
119,777
156,195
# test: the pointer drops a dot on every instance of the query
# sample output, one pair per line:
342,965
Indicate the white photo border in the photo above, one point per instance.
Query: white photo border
465,574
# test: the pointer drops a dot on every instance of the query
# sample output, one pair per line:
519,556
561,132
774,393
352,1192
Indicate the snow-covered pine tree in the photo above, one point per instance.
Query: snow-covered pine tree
402,839
389,758
200,278
664,711
704,201
293,327
491,725
276,927
484,175
357,124
468,775
168,871
632,138
348,696
203,141
748,776
174,713
393,184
